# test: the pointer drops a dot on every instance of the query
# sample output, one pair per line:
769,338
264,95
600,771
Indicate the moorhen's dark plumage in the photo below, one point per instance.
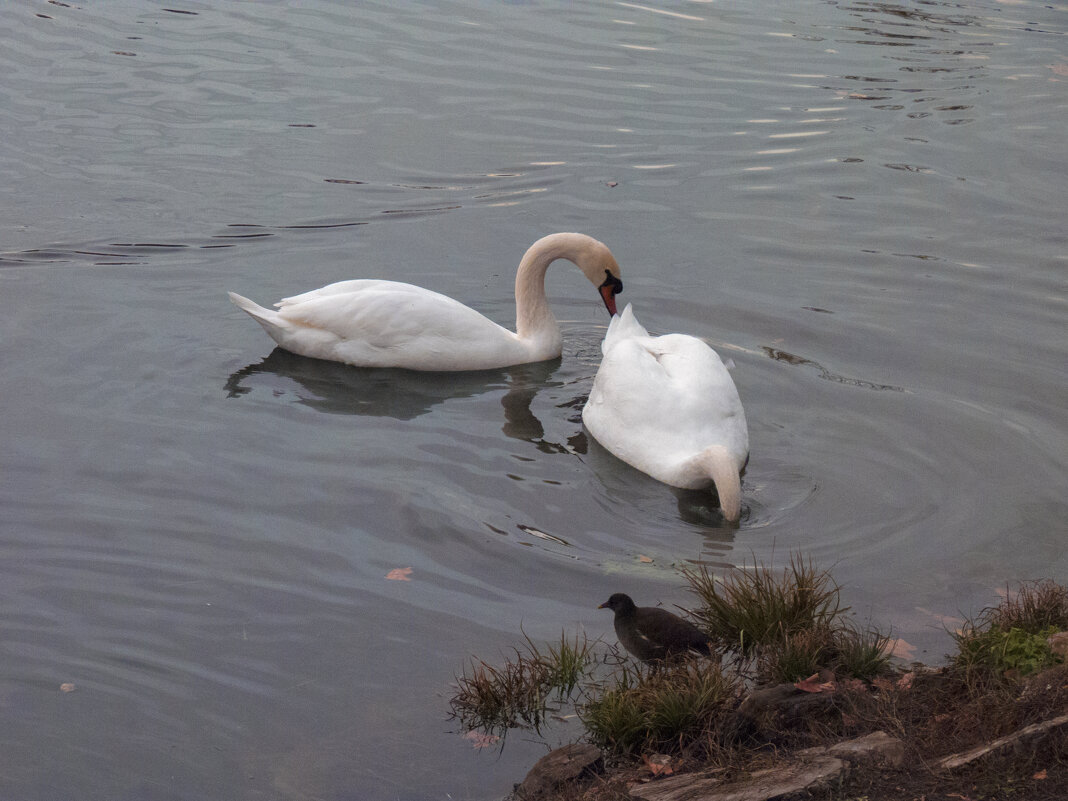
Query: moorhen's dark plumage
651,633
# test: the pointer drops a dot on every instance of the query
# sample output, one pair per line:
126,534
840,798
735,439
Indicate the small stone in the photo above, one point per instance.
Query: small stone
574,763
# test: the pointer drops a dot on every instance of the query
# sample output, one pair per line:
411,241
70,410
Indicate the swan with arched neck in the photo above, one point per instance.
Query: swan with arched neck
378,323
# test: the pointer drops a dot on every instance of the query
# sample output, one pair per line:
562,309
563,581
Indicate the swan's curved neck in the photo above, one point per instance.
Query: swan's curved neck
716,462
533,318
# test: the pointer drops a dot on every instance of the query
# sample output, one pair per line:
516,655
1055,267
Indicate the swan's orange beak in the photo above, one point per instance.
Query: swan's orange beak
611,287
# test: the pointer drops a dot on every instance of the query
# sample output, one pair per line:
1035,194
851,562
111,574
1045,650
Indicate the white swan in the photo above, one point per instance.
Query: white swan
667,406
372,323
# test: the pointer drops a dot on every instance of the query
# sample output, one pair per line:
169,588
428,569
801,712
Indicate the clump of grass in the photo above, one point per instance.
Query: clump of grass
1010,639
1015,651
1036,607
615,718
861,653
522,691
567,663
496,698
795,656
671,709
752,608
791,623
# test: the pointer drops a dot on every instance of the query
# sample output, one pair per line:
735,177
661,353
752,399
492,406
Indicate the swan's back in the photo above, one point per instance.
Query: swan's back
658,402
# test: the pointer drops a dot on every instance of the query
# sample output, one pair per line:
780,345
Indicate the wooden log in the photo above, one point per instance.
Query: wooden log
1018,738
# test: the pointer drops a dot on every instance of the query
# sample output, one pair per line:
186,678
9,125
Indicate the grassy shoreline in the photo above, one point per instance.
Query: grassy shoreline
787,629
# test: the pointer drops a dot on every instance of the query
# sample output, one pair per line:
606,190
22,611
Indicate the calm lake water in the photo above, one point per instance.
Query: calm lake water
863,204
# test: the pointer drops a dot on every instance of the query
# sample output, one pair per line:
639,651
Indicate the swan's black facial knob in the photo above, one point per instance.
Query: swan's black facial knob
613,283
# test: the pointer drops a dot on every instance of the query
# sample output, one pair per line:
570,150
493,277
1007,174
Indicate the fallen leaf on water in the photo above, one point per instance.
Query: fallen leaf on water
901,649
658,764
480,740
399,574
945,620
66,687
643,558
1040,775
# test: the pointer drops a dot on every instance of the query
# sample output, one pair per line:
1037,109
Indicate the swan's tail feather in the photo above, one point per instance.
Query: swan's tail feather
268,318
250,306
726,475
622,326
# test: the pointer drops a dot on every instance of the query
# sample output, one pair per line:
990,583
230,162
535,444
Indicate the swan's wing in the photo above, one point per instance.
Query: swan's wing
696,383
388,314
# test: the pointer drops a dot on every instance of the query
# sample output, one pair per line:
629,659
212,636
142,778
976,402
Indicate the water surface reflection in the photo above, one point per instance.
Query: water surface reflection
336,388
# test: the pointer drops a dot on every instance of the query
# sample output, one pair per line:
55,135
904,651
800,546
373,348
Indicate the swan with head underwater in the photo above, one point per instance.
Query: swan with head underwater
667,406
377,323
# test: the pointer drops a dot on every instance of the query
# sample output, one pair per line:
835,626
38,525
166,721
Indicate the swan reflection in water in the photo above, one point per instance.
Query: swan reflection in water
336,388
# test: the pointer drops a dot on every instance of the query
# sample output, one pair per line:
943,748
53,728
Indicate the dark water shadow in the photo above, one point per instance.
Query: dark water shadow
336,388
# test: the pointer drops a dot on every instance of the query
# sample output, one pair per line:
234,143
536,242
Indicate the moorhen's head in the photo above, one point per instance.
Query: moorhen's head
619,603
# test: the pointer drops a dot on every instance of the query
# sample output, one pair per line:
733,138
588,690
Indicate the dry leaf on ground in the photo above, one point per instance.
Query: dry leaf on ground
813,684
658,764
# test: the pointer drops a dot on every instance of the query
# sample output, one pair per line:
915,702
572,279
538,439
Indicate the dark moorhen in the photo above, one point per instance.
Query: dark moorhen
653,634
